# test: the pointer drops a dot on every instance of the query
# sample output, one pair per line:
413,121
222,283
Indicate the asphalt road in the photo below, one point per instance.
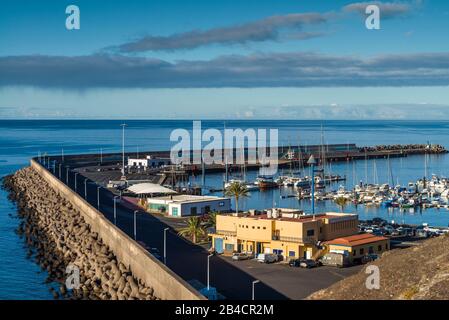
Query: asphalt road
232,279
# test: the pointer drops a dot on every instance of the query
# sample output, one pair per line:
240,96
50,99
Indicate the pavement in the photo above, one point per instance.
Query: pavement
232,279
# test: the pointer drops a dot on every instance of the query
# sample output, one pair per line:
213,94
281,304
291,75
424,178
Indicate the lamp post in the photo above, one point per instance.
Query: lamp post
98,197
60,177
312,163
115,210
67,176
76,184
165,245
85,188
254,282
208,271
135,224
123,148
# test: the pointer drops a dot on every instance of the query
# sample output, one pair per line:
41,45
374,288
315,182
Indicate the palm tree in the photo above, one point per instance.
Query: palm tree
212,220
341,202
193,229
237,190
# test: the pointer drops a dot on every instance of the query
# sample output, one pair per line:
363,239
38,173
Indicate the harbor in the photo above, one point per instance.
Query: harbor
96,174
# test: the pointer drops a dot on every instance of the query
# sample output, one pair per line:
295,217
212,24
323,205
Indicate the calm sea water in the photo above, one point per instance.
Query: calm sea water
21,278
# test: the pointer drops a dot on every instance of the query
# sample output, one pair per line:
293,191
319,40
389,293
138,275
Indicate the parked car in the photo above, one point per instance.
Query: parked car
369,257
294,263
303,263
308,263
267,257
240,256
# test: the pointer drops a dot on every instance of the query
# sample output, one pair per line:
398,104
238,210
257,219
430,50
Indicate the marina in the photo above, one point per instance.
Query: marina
400,170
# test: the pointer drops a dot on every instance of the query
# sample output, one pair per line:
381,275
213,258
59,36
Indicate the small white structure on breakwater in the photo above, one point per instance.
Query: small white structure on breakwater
188,205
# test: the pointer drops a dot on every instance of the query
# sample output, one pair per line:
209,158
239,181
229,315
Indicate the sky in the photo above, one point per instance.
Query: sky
243,59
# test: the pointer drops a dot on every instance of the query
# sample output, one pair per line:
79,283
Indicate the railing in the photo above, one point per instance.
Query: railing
227,233
307,240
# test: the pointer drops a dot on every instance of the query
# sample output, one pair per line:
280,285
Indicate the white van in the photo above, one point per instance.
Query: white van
267,257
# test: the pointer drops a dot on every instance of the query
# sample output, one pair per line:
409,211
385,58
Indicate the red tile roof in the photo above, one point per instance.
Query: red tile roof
356,240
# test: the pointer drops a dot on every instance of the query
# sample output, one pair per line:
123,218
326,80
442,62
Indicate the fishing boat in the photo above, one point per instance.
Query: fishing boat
265,182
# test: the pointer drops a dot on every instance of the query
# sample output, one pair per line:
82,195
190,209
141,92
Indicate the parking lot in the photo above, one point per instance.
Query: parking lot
293,282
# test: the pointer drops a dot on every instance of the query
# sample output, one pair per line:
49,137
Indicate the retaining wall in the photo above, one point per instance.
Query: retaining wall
166,284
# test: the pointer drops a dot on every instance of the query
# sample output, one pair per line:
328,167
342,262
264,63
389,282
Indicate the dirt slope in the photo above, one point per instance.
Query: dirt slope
418,272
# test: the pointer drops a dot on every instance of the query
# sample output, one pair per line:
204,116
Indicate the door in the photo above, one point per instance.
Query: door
219,245
308,254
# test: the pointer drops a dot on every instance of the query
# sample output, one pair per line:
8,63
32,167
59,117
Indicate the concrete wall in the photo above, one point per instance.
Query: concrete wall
166,284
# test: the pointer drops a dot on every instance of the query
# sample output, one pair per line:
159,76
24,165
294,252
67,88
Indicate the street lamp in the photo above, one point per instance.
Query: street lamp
123,148
85,188
208,271
76,184
67,176
60,177
312,162
115,210
254,282
135,224
98,197
165,245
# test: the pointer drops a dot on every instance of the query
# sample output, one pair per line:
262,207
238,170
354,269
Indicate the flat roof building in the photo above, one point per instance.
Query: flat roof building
358,245
287,232
187,205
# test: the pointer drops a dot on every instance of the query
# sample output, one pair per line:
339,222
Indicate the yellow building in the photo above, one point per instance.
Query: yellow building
281,231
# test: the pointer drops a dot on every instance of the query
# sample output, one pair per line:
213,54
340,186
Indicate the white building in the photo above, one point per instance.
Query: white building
188,205
148,162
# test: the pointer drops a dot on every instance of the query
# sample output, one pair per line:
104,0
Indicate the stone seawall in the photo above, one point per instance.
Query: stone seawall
67,230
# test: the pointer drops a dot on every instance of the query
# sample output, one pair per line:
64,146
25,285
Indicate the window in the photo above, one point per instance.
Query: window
310,233
371,249
253,227
379,248
221,204
386,246
354,252
258,227
291,253
229,247
264,228
193,210
362,251
321,229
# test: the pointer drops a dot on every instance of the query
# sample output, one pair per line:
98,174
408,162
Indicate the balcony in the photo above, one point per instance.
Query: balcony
227,233
306,240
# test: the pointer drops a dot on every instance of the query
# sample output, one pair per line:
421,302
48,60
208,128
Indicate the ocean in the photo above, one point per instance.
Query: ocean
21,278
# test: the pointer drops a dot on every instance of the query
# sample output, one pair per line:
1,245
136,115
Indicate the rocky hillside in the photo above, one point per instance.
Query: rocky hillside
418,272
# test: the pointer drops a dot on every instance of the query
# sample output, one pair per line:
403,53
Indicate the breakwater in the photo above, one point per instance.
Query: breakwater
58,237
63,229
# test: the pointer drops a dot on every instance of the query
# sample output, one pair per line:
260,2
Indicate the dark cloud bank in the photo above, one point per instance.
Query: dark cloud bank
261,70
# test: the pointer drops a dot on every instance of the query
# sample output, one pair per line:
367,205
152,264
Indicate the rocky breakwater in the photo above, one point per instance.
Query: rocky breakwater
58,238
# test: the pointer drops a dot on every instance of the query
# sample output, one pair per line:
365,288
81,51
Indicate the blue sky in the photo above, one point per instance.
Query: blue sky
224,59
